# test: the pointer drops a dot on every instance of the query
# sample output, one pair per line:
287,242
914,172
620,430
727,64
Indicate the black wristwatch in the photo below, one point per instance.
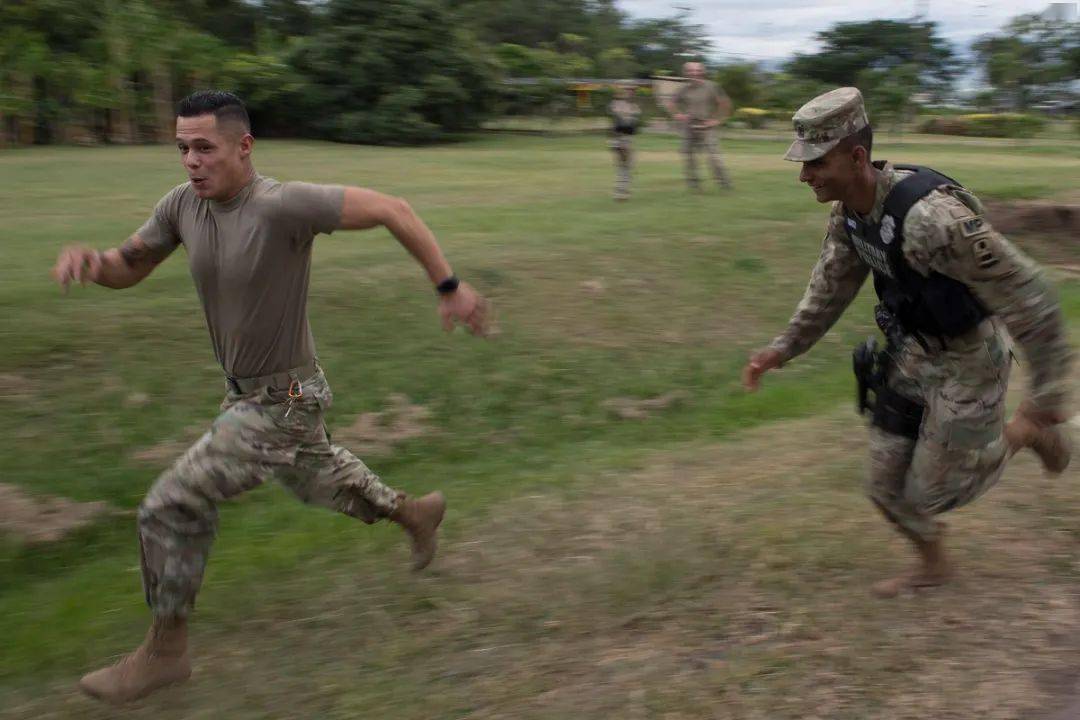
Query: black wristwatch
448,285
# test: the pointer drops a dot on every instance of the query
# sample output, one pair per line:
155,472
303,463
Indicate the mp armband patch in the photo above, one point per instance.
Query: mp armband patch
973,227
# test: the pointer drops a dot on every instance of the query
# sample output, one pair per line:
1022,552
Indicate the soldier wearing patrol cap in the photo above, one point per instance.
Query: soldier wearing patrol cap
949,287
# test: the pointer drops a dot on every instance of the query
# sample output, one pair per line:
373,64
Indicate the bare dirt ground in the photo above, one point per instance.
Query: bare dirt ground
43,519
376,433
716,581
1048,230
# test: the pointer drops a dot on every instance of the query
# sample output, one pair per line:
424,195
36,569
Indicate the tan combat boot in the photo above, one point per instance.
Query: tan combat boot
161,660
421,518
1049,442
933,570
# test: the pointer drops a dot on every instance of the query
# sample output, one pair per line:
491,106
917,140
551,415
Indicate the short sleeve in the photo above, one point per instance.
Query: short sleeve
312,208
160,232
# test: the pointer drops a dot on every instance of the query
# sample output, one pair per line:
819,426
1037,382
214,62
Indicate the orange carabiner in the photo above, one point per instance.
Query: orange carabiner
296,390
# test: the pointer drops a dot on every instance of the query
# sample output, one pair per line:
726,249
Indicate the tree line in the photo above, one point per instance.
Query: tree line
413,71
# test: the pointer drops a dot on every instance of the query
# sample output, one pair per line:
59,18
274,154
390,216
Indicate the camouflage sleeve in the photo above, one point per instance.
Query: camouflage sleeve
943,233
834,283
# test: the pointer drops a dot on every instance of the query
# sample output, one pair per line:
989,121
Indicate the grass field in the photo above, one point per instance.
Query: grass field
709,560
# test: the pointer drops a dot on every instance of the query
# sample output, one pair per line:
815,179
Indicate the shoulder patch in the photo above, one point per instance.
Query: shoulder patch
973,227
984,254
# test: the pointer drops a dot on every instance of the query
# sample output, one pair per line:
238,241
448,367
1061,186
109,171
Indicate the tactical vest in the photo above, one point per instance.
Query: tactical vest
935,305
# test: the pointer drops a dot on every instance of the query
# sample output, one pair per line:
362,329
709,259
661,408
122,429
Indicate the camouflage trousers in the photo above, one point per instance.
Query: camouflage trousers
961,451
622,146
695,140
258,435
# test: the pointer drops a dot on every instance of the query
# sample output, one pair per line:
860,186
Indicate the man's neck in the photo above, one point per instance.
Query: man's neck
863,192
248,175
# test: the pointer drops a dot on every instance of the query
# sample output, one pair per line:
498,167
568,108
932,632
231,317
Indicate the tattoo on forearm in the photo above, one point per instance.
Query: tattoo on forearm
135,253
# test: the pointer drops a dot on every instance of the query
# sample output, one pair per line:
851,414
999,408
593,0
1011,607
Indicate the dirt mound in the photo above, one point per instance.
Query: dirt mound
626,408
43,519
1035,217
1049,231
375,433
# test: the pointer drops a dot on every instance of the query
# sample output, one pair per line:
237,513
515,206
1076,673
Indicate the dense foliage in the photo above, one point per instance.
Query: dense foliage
413,71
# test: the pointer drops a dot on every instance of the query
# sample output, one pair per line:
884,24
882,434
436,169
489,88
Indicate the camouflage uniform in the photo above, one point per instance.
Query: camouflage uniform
259,434
624,114
701,101
960,451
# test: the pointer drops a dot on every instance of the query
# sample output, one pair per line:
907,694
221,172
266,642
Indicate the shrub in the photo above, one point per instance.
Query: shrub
1010,125
753,117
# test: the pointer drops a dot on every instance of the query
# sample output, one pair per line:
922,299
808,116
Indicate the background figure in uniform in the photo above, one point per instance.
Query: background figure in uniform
949,287
625,115
248,241
698,107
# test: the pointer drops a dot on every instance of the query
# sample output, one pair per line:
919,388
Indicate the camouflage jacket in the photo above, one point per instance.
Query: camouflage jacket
938,237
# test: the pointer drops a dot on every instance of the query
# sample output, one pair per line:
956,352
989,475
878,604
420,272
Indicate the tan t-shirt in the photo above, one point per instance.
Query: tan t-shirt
701,101
250,259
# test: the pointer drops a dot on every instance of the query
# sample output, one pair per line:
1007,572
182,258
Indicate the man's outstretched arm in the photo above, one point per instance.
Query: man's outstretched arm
834,283
116,268
364,208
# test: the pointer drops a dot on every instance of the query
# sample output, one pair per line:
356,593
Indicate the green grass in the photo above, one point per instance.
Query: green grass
691,283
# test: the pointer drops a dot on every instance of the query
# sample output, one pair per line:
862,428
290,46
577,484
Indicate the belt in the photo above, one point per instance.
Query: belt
281,380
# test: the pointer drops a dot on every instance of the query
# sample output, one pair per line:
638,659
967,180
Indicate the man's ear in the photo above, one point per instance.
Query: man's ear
247,142
859,156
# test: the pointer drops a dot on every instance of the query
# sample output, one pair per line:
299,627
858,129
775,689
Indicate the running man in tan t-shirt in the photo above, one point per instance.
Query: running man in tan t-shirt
248,241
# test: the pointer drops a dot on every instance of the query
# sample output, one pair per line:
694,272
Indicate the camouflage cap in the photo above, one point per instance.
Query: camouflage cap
824,121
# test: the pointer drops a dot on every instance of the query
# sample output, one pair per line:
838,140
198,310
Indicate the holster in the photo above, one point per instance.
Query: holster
891,411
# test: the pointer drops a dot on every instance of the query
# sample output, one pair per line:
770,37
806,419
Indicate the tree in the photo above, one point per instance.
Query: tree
662,45
1031,56
741,82
23,57
888,94
524,22
848,49
392,72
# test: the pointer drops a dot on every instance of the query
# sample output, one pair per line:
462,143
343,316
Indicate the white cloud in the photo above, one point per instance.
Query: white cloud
776,29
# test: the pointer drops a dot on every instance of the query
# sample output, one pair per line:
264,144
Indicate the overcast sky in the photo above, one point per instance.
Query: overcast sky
776,29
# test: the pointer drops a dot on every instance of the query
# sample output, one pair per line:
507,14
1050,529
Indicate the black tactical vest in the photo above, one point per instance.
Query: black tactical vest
935,305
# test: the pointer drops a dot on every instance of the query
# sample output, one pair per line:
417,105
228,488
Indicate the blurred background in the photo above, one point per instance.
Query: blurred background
630,535
408,72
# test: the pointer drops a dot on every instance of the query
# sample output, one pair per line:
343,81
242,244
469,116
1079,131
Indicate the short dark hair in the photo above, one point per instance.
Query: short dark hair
221,104
863,138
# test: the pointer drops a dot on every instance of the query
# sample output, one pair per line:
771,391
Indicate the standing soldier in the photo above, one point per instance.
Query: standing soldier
625,114
949,286
699,106
248,240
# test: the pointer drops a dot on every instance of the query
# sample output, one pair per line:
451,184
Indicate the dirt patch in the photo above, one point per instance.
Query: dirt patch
626,408
16,387
43,519
1048,230
376,433
166,452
